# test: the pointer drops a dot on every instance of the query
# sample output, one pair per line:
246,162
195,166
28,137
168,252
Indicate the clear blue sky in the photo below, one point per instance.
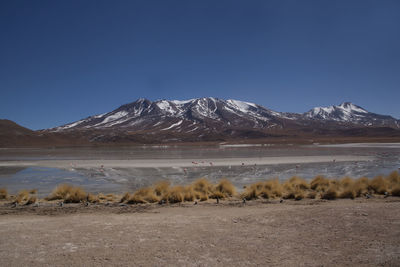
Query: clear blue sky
61,61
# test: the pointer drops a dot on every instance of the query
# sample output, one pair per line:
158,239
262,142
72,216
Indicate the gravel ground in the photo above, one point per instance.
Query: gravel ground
361,232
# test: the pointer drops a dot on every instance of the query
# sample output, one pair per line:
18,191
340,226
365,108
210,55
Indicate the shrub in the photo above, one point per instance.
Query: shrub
176,194
348,193
347,189
125,197
312,194
298,182
203,186
92,198
393,179
224,189
22,197
188,194
330,193
68,193
319,183
31,200
396,191
161,188
378,185
274,187
3,193
144,195
294,188
252,191
299,194
360,186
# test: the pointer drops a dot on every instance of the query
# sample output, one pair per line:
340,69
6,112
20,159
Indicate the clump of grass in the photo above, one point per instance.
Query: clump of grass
253,191
267,189
3,193
298,182
144,195
125,197
22,197
319,183
347,189
393,180
312,194
176,194
223,189
360,186
161,188
101,197
25,197
31,200
330,193
272,188
396,191
189,193
203,187
378,185
68,193
91,198
295,188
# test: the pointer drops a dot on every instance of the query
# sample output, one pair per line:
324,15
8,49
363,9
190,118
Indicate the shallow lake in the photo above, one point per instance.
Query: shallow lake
33,168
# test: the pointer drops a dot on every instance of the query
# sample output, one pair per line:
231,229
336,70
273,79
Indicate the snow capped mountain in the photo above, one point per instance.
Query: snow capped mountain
190,115
217,119
349,113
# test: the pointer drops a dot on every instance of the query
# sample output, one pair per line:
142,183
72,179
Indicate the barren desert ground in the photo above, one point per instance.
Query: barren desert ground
361,232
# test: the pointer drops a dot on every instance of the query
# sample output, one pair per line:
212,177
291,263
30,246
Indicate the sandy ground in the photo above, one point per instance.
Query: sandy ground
159,163
361,232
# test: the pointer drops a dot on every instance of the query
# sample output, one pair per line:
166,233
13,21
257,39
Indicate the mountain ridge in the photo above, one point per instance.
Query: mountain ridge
209,112
209,119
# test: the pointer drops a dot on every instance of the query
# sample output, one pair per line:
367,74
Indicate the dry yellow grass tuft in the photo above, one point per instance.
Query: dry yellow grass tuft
203,186
330,193
125,197
144,195
295,188
3,193
273,187
223,189
378,185
161,188
347,189
299,183
189,194
361,186
91,198
26,197
253,191
393,181
319,183
68,193
396,191
31,200
22,197
176,194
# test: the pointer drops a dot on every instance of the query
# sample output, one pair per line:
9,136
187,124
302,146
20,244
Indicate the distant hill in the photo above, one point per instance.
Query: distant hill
8,127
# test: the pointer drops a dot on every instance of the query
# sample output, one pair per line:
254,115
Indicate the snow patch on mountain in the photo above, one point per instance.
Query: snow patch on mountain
173,125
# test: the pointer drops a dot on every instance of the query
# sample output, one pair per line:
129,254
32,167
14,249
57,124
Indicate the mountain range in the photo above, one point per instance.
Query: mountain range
213,119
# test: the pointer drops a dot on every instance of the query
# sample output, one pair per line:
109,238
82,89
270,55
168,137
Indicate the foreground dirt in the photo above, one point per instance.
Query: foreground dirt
361,232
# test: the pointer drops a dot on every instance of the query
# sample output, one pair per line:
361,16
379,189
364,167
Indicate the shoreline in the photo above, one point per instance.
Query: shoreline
160,163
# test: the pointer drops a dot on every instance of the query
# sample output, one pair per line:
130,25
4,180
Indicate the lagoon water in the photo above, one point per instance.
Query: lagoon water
101,170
